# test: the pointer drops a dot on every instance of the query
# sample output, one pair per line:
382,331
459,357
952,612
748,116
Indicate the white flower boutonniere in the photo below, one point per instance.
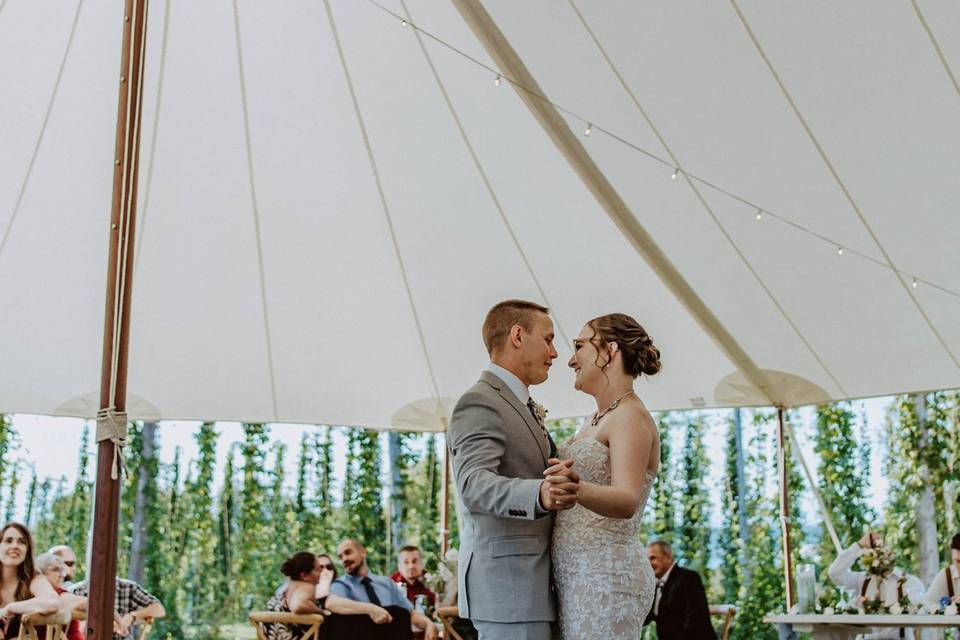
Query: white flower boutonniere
541,412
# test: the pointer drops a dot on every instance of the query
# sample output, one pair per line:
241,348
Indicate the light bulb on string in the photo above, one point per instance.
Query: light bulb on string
589,129
914,284
759,213
839,251
676,172
404,23
496,81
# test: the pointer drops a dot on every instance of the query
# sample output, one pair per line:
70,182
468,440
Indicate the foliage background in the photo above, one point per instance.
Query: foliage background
207,535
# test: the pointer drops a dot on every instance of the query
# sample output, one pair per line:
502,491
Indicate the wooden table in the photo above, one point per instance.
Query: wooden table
847,626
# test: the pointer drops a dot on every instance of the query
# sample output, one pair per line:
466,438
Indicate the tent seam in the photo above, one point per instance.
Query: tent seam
836,176
255,209
43,126
703,200
388,215
486,180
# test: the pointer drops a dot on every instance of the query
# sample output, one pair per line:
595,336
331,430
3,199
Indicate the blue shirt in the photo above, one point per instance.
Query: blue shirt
513,382
351,587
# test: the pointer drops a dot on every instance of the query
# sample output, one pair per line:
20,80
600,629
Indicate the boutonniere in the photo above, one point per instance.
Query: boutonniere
541,412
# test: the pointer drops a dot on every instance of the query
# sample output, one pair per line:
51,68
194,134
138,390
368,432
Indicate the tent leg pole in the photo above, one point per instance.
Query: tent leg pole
784,506
113,384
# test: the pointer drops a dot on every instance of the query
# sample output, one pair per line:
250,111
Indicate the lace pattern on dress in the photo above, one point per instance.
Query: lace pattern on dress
604,581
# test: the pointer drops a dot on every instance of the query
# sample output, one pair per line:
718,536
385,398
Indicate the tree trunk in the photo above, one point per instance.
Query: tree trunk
396,494
741,494
138,543
928,552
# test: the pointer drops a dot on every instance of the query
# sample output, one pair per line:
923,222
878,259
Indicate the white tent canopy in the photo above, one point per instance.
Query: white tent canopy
298,263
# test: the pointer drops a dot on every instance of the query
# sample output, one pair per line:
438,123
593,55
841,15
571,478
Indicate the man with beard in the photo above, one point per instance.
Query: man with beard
360,585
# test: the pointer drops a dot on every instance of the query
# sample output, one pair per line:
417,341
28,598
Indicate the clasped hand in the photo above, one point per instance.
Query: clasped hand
561,487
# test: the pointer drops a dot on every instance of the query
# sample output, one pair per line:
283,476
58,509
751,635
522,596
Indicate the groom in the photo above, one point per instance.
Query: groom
500,450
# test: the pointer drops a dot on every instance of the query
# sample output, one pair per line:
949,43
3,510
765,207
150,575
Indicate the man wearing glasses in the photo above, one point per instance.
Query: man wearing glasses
70,559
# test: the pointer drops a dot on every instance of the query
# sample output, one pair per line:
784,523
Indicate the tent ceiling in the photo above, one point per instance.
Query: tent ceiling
298,263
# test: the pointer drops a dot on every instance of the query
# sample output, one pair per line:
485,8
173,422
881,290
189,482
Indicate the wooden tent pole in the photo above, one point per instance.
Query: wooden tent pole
784,505
113,383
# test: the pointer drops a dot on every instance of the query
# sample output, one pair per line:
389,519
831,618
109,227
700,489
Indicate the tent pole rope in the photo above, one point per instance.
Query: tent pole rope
936,46
827,518
148,182
112,418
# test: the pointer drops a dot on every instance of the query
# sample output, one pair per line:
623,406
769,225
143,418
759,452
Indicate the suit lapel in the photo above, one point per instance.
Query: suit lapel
523,410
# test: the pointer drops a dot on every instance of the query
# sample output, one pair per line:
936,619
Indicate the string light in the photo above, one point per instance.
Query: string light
589,129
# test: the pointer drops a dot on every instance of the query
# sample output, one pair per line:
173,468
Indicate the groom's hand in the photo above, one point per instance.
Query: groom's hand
561,486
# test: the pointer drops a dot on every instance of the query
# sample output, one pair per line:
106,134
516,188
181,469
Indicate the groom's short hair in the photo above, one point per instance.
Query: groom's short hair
504,315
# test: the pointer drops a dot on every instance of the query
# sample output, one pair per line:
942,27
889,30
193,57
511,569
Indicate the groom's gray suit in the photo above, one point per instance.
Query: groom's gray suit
499,453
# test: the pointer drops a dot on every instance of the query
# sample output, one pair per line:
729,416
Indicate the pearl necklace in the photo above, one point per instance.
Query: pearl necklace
613,405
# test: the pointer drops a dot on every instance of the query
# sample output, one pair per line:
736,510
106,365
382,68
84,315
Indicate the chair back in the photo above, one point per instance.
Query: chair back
447,615
53,626
310,620
725,611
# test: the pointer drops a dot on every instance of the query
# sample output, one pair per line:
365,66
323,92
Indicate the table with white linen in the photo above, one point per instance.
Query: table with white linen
847,626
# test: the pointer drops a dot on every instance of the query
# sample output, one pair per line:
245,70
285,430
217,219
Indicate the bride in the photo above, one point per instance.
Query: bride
604,581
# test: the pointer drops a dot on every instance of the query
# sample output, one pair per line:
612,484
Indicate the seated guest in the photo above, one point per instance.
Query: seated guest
55,570
946,584
22,588
308,576
409,575
70,560
889,589
679,601
362,586
130,601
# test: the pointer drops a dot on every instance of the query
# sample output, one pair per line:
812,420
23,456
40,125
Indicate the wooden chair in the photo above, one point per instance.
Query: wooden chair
54,626
311,620
145,625
447,615
725,611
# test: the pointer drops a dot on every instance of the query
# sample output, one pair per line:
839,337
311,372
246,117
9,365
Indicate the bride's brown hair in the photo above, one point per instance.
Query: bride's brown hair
636,347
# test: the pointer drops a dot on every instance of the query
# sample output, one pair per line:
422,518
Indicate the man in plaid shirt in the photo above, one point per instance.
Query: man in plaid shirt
131,602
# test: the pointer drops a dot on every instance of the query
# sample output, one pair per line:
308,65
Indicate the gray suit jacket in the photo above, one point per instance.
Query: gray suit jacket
499,455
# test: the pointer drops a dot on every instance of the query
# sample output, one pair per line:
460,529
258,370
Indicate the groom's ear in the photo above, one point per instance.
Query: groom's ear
516,335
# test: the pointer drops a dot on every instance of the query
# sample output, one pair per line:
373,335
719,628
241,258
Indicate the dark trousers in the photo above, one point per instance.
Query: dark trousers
361,627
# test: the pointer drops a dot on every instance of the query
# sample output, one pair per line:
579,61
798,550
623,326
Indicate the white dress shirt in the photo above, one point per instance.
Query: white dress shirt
938,589
661,583
842,576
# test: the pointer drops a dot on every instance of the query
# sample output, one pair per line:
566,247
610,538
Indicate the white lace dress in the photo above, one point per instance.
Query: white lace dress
604,581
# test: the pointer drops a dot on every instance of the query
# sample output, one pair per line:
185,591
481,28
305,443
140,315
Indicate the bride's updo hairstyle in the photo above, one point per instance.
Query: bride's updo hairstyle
636,347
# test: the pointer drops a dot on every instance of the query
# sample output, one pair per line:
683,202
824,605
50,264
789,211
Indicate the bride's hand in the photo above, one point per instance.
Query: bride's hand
561,487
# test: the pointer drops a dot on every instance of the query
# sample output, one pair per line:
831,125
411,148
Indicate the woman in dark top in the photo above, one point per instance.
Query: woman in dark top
308,581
